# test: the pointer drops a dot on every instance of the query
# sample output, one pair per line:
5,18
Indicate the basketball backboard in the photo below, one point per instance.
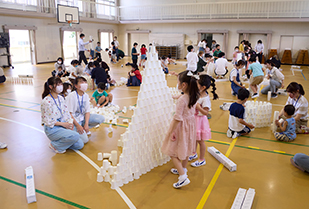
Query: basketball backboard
67,14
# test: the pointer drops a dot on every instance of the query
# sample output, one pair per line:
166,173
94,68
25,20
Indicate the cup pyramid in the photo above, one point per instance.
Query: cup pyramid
143,138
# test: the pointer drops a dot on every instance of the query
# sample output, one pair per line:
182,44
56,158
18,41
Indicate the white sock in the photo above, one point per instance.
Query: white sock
183,177
185,170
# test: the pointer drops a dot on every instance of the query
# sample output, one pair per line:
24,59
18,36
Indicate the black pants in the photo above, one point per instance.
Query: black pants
134,61
98,55
260,56
82,57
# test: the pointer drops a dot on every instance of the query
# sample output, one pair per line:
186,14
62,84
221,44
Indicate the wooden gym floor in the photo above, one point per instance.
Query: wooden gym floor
69,181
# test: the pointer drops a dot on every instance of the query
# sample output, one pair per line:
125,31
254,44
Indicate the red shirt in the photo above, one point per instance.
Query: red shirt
143,50
138,75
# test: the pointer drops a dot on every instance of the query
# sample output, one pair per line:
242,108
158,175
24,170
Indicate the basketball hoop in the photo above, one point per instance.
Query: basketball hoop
69,22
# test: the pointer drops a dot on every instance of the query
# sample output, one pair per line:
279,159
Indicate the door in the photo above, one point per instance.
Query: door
69,45
20,46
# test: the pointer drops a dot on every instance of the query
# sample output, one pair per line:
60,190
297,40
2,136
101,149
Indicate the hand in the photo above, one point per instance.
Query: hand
86,128
68,126
251,126
80,129
243,87
282,86
90,41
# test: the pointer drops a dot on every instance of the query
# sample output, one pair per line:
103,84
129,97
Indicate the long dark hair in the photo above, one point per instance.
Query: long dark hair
293,87
52,81
194,93
207,81
77,80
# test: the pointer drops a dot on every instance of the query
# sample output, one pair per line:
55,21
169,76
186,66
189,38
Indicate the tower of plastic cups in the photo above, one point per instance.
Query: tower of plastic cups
258,113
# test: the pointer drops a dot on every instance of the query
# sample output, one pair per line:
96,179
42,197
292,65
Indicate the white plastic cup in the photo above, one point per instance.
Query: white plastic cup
268,95
99,178
100,156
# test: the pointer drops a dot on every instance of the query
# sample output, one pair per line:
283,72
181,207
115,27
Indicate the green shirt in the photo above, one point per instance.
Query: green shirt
96,95
216,53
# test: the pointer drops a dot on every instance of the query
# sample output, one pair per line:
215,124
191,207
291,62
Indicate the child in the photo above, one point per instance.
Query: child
203,106
288,126
100,97
134,53
143,55
202,45
180,141
259,48
79,108
105,55
208,51
217,52
88,69
59,73
256,75
237,125
164,65
201,62
67,89
56,119
170,60
213,45
98,50
113,56
210,67
60,63
110,81
98,74
236,51
192,59
135,77
221,66
234,77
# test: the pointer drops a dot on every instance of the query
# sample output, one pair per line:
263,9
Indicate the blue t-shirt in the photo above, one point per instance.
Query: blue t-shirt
290,129
98,48
256,69
237,111
134,51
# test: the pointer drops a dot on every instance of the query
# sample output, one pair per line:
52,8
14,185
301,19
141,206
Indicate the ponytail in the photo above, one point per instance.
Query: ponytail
207,81
50,82
193,91
293,87
215,95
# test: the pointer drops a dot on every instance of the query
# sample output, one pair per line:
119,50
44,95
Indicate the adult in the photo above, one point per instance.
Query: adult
2,76
275,77
60,63
301,161
259,49
202,45
241,46
116,47
56,119
192,59
297,99
276,61
82,49
98,74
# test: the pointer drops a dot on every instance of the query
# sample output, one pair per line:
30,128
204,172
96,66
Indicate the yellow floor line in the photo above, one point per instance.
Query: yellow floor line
212,140
279,151
215,177
253,147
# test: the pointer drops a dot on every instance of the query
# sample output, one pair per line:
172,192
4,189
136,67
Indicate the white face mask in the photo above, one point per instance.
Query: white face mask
69,91
59,62
236,50
83,87
178,88
59,89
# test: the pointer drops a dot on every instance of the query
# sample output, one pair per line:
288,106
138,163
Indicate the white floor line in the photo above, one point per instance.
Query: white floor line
234,100
118,190
124,98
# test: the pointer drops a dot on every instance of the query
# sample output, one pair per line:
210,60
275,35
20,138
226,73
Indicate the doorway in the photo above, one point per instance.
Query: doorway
106,40
69,45
208,37
20,46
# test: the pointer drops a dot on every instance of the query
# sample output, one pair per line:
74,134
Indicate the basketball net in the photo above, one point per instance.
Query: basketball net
70,23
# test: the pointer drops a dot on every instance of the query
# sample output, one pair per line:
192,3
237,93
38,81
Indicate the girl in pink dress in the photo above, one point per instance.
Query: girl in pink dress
203,106
179,142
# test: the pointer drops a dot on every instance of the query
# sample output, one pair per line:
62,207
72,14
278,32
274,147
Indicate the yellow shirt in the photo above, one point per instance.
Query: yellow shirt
241,47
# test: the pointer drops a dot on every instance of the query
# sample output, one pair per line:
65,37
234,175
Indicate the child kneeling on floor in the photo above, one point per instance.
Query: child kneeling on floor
135,77
237,124
288,126
100,97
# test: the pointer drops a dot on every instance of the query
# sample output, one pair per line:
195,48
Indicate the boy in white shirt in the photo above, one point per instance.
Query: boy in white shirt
221,66
192,59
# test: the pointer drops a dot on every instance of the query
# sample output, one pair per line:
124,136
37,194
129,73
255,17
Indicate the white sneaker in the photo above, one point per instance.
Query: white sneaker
255,95
89,133
174,171
3,145
198,163
229,133
192,157
235,135
54,149
181,183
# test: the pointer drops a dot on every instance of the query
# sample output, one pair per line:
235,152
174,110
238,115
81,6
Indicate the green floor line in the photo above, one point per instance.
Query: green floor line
262,150
303,145
15,100
116,125
45,194
22,108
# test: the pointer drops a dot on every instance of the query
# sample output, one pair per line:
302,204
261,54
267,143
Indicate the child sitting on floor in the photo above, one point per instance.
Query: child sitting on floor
237,124
235,79
59,73
288,126
164,65
100,97
135,77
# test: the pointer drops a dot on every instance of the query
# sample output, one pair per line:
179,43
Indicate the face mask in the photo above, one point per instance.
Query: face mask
83,87
59,89
91,68
69,91
59,62
76,65
236,50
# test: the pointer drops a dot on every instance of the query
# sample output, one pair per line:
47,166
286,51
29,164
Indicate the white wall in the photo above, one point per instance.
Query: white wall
190,30
48,34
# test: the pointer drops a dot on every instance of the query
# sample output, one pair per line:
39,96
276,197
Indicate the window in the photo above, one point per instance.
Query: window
24,2
104,10
74,3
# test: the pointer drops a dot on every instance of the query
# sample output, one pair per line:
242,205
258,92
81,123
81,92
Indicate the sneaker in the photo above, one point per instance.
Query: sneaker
192,157
274,95
181,183
89,133
198,163
235,135
229,133
54,149
208,116
174,171
255,95
3,145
